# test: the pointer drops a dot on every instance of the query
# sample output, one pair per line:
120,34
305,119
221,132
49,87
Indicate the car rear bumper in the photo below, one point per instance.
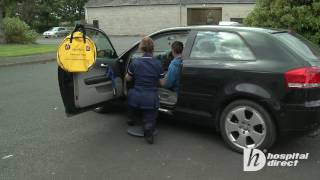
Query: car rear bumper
299,117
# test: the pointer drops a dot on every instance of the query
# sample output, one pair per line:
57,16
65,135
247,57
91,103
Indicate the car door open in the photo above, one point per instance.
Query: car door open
103,82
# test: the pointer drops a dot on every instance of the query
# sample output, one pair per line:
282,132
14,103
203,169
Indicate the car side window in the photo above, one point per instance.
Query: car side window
220,45
162,43
162,47
105,50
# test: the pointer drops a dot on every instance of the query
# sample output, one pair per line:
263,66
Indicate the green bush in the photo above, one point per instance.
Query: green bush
301,16
17,31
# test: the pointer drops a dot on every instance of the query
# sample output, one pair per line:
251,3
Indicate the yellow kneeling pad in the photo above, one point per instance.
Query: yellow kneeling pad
76,55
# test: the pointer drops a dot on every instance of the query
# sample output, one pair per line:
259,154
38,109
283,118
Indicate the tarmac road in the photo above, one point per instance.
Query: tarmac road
37,141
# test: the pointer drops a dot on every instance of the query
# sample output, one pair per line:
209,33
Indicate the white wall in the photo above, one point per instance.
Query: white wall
134,20
143,20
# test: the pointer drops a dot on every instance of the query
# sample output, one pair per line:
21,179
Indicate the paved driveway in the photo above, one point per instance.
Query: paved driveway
37,141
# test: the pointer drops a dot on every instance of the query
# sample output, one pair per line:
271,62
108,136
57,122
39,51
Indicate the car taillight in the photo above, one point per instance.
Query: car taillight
307,77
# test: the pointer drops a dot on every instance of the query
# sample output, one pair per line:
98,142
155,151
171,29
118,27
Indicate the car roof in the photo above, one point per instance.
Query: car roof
225,28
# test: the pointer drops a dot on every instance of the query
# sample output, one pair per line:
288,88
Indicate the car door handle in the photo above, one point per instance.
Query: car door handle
104,65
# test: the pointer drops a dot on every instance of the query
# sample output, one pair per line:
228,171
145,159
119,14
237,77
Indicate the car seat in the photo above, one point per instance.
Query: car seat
168,97
204,49
207,48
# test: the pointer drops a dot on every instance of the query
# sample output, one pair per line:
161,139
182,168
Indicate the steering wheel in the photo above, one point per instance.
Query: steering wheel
104,53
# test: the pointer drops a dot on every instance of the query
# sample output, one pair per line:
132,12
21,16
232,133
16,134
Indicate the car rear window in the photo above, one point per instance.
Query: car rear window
300,45
220,45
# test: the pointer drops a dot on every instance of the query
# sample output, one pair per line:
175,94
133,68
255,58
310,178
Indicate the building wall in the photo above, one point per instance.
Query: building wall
143,20
134,20
228,10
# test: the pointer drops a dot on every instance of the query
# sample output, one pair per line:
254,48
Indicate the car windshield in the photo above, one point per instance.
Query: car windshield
54,29
300,45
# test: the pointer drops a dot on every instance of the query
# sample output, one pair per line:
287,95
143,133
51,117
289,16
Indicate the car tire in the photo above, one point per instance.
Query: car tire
244,123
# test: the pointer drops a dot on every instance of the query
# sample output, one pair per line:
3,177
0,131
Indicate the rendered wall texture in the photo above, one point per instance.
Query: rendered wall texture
143,20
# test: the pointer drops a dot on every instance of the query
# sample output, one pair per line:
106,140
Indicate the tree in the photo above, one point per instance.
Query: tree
6,7
42,14
1,14
302,16
17,31
70,10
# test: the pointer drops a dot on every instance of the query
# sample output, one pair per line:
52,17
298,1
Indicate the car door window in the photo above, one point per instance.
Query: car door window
105,51
162,47
162,43
220,45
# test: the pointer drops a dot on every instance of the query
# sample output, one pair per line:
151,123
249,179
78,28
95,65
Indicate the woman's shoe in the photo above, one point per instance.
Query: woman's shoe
148,135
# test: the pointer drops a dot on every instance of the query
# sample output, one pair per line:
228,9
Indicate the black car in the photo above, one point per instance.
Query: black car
249,83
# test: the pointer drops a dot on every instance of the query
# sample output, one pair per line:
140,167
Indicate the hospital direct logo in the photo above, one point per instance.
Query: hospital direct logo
255,159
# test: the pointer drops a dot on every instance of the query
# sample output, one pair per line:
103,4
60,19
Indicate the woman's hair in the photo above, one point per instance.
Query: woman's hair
146,45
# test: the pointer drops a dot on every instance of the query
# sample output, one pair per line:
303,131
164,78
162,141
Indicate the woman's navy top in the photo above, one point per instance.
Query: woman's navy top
146,72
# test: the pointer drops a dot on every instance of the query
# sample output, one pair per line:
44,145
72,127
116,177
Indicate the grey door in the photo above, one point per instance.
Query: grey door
83,91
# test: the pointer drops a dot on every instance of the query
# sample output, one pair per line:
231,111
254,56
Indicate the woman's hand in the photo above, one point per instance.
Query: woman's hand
162,82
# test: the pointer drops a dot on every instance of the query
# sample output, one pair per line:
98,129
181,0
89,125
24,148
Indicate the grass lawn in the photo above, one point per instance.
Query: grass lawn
12,50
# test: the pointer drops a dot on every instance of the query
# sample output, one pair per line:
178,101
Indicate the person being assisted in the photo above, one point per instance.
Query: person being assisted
172,78
147,74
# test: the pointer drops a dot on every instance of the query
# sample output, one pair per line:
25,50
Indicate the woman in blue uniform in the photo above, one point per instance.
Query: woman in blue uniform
147,74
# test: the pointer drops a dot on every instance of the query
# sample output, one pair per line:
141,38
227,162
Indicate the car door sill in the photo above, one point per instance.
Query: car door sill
194,112
166,111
